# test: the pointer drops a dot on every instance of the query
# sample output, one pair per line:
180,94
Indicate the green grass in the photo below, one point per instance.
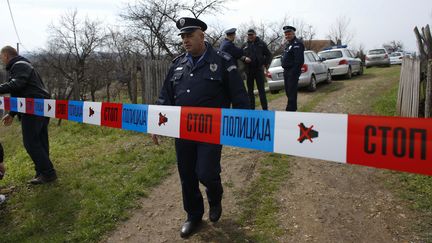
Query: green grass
102,172
416,189
259,206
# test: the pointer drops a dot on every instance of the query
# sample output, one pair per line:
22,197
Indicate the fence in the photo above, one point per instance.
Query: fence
408,100
152,76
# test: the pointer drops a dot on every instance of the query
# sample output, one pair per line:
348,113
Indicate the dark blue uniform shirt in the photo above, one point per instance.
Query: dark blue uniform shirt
230,48
213,81
293,55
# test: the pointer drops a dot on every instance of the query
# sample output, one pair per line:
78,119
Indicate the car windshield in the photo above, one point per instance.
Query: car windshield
377,52
396,54
276,62
330,54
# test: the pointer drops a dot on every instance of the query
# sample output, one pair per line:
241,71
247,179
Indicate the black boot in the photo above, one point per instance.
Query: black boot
189,227
215,212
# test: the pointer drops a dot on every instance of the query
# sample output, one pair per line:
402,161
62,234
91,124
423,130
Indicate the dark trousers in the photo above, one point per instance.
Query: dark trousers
199,162
291,79
258,76
1,153
35,137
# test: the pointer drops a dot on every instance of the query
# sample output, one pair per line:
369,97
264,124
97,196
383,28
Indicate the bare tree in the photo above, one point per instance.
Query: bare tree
200,7
340,32
70,44
393,46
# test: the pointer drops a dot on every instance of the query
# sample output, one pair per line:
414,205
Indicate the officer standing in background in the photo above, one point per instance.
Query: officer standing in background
24,81
292,62
260,58
229,47
201,77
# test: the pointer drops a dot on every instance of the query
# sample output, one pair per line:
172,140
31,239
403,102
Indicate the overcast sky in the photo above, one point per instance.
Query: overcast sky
373,22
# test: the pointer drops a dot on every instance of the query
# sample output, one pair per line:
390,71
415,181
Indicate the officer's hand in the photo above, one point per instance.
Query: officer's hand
2,170
247,60
7,120
155,139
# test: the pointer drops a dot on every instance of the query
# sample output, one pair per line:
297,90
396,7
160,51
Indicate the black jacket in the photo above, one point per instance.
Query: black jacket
213,81
258,52
24,81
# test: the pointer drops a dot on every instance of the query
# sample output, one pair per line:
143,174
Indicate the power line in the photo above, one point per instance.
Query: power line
14,25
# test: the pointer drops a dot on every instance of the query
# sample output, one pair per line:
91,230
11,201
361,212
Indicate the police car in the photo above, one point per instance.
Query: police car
313,72
342,61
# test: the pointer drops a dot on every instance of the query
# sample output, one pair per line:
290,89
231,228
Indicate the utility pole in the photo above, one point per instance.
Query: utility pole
17,48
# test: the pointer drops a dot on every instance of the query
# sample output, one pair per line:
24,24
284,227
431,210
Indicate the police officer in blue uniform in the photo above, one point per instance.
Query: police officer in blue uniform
229,47
292,62
260,58
201,77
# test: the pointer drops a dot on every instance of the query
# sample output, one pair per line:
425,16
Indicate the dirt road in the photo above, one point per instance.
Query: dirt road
320,202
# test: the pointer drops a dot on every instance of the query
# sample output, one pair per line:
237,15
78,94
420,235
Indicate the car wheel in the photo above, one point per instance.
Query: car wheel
329,77
349,74
361,71
274,91
312,85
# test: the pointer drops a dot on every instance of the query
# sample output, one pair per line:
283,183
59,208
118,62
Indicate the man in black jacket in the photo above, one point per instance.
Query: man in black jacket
25,82
260,58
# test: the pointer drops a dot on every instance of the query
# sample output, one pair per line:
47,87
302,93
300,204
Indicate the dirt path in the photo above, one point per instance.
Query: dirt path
322,201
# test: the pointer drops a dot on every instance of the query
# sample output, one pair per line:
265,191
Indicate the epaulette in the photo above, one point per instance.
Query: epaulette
178,57
224,55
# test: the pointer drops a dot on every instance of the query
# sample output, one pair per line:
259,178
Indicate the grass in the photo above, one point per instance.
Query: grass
102,172
416,189
259,206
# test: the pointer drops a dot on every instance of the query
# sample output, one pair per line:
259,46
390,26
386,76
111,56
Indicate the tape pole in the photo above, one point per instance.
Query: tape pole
395,143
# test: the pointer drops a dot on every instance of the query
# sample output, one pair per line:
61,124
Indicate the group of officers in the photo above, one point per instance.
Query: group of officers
206,77
200,77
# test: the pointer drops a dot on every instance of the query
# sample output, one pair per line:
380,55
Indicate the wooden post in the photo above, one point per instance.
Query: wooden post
428,101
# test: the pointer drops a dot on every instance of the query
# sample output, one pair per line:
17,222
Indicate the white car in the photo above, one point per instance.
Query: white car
313,72
396,58
341,61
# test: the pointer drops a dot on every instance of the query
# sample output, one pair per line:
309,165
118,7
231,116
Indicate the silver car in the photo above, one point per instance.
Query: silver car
342,61
313,72
377,57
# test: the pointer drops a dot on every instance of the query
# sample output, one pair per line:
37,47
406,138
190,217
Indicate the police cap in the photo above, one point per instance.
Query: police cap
230,31
189,25
289,29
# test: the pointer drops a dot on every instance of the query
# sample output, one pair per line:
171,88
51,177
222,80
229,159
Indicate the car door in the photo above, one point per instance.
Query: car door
355,61
321,67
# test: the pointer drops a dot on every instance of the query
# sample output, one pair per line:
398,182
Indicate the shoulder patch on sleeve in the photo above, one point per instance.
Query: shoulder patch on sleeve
224,55
178,57
232,67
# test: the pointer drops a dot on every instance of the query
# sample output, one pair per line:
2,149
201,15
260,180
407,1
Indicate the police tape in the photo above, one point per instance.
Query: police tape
396,143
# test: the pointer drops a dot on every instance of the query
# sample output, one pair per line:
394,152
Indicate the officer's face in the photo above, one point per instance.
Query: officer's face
289,36
193,42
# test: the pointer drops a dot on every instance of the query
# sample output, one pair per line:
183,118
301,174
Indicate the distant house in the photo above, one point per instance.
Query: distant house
317,45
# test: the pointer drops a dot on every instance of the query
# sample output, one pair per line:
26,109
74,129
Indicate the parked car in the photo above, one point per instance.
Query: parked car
396,58
341,61
377,57
313,72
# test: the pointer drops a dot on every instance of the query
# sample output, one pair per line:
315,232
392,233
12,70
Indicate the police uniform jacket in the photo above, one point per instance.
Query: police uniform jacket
293,55
213,81
230,48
